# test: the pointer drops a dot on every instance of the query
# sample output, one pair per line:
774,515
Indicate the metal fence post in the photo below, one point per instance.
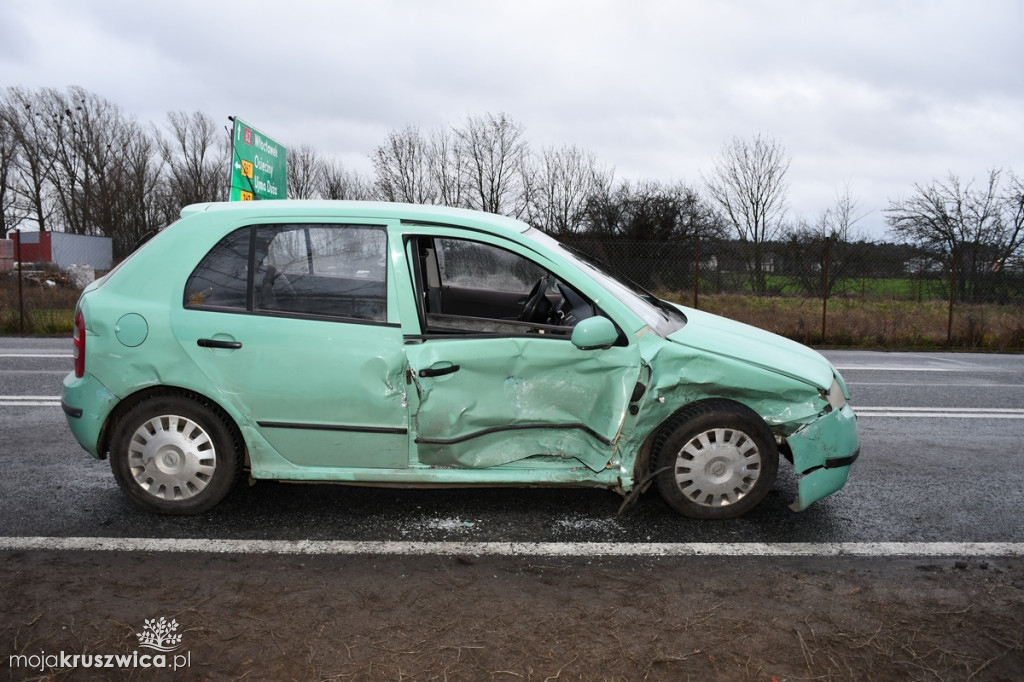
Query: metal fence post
696,270
824,287
952,294
21,299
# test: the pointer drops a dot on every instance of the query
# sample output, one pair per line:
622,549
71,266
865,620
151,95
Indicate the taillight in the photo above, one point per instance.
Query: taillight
79,341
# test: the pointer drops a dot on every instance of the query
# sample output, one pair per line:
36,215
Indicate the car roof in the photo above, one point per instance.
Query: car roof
409,213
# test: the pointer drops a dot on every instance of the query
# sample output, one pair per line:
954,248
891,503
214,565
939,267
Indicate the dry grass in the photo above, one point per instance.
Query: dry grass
857,323
43,308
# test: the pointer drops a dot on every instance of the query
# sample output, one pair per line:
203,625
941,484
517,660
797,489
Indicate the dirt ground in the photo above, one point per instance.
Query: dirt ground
244,617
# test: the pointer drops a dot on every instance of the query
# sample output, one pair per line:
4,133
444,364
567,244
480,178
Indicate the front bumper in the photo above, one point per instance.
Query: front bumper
823,453
86,404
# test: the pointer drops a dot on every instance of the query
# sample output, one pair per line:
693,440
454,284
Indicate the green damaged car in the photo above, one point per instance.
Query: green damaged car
400,345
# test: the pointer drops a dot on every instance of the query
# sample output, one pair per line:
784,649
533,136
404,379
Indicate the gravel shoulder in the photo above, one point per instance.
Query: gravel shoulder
258,617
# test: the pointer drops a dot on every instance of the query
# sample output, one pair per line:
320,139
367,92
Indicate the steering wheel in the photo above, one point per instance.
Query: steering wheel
533,300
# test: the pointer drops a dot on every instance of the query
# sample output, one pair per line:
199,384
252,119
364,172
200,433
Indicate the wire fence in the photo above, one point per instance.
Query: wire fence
828,291
864,270
41,277
822,292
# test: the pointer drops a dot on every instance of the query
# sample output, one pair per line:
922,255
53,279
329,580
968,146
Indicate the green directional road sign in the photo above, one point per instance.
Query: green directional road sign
258,165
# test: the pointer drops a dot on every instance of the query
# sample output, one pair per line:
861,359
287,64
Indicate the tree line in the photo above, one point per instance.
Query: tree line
73,161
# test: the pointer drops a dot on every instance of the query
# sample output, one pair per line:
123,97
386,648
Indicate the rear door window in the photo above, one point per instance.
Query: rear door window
331,271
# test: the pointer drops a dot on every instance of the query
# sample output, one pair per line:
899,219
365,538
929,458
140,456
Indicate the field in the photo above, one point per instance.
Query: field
877,324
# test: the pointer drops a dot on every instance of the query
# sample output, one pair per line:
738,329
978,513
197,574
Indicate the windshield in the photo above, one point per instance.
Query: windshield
661,316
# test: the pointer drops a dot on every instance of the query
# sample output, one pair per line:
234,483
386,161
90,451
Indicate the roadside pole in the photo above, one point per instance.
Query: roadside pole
21,299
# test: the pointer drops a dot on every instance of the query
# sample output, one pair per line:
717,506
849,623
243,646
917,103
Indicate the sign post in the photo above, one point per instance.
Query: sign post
258,165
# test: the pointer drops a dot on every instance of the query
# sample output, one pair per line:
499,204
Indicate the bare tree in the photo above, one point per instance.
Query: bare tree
101,168
447,167
11,213
749,183
305,173
78,132
32,160
495,165
825,247
87,135
338,182
402,165
974,229
139,204
197,157
563,181
1015,212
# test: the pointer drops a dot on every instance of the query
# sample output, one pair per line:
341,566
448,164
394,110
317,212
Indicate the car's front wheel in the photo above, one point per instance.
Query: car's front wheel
174,455
715,460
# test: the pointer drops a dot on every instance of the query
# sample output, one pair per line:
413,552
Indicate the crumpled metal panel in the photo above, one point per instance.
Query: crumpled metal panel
514,398
722,337
818,484
682,375
831,437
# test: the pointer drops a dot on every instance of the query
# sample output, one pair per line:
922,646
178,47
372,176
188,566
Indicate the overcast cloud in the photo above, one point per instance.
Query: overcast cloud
875,95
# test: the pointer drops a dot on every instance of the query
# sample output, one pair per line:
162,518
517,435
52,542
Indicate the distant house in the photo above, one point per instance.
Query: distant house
922,265
59,248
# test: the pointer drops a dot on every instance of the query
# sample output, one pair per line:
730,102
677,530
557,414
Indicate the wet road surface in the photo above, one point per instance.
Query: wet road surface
941,438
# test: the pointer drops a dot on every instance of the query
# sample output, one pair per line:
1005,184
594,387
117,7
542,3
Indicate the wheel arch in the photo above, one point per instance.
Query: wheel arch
643,464
129,402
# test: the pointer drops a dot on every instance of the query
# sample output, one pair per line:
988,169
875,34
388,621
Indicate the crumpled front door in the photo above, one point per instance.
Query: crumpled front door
493,401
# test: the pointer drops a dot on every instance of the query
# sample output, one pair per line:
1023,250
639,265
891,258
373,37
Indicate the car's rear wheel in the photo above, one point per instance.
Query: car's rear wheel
715,460
174,455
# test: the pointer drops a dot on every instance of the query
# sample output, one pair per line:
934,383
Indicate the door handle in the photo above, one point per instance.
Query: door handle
217,343
439,372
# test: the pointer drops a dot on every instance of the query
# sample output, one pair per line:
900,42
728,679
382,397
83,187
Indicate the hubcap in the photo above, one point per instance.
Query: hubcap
171,457
718,467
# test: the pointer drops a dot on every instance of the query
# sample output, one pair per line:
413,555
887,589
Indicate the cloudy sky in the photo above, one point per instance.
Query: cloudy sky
873,95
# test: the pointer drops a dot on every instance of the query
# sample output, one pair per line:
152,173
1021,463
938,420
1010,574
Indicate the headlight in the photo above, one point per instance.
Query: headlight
834,395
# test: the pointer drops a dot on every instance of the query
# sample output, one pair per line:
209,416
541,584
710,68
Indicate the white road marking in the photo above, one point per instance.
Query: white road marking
553,549
902,368
931,384
36,355
29,401
941,412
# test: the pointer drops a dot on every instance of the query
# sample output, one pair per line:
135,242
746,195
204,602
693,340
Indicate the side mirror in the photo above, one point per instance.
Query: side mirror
593,333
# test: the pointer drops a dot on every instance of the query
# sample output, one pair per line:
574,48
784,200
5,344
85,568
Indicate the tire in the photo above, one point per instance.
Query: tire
715,460
173,455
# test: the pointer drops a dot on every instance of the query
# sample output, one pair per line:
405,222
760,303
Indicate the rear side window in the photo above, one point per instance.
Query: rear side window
329,271
222,279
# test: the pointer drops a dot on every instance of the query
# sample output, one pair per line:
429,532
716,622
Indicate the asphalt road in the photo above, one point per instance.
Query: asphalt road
941,438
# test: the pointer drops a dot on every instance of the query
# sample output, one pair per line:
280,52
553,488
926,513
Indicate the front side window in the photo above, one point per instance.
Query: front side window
473,265
664,318
470,287
332,271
